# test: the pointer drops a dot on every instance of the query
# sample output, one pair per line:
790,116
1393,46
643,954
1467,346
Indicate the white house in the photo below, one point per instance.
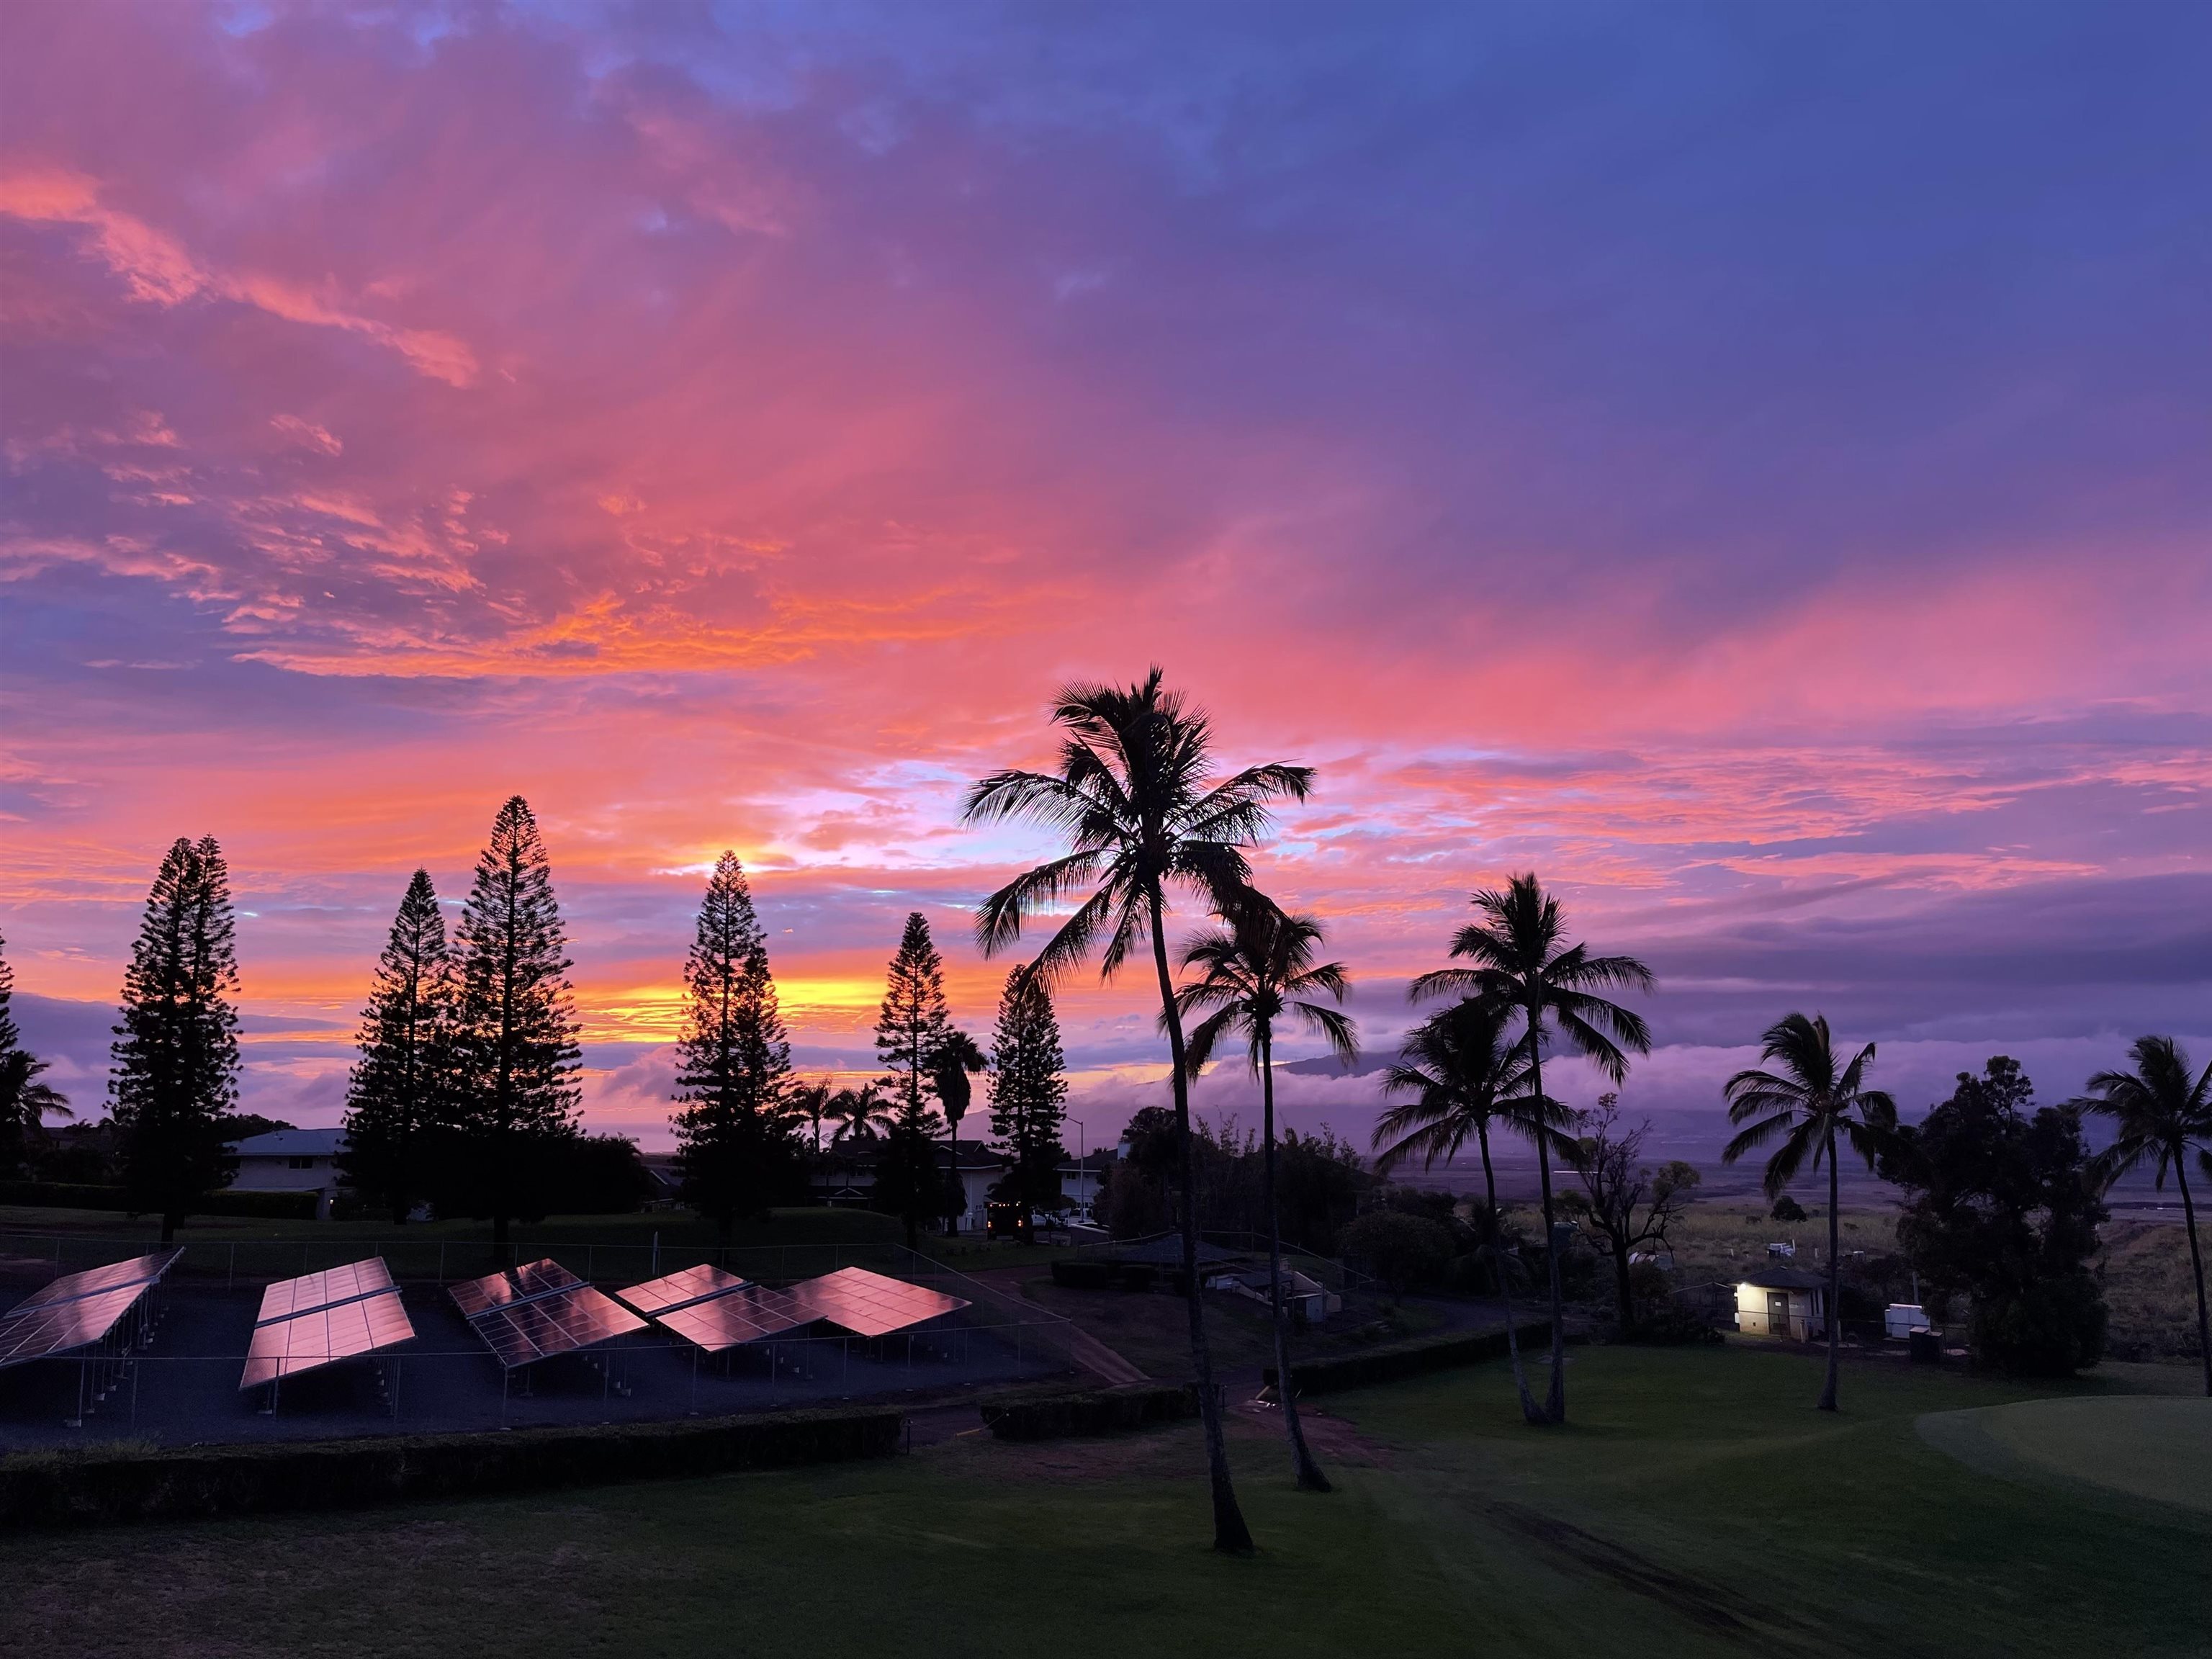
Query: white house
290,1161
1782,1302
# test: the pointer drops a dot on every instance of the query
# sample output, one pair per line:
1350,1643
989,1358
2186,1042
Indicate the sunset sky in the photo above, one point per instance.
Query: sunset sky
1751,465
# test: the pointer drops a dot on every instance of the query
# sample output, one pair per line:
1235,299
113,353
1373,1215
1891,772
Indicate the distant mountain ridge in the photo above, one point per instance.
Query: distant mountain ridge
1365,1066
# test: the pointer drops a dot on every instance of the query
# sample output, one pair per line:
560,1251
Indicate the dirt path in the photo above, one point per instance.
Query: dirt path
1086,1349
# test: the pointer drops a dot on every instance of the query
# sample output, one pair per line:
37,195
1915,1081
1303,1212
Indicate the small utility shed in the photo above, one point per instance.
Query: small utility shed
1782,1302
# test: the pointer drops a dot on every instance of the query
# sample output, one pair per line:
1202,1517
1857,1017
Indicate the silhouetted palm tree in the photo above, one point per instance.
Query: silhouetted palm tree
859,1113
2163,1117
25,1103
1465,1073
1521,961
949,1068
811,1102
1254,971
1135,800
1809,1102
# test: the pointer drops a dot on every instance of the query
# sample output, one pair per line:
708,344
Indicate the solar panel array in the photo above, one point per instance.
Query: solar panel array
77,1309
317,1320
869,1304
677,1290
544,1310
718,1311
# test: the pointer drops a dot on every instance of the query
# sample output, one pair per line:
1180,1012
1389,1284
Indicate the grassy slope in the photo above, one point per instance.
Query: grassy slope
1697,1505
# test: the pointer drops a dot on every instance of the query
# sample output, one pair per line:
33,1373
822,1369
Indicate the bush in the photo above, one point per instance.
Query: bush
1094,1411
1404,1359
1669,1325
70,1195
127,1484
1404,1251
1079,1275
1787,1208
2053,1328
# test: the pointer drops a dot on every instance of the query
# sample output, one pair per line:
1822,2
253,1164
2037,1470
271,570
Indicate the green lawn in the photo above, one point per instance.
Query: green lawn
1697,1505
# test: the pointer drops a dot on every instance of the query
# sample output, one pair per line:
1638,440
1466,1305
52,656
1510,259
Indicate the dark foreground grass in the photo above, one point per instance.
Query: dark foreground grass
1697,1505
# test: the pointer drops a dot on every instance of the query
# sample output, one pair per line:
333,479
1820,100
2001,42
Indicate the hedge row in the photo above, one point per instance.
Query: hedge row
1410,1358
72,1488
74,1195
1094,1411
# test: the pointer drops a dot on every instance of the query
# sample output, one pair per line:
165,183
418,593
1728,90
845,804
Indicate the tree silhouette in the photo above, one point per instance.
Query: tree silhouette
1520,959
517,1024
1028,1094
736,1133
1253,971
1135,800
2161,1116
911,1028
949,1074
174,1073
1806,1105
402,1085
1466,1075
1625,1202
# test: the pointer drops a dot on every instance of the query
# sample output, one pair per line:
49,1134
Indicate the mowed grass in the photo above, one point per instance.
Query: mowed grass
1698,1505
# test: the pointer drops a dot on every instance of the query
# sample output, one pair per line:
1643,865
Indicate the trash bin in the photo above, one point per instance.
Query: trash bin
1926,1347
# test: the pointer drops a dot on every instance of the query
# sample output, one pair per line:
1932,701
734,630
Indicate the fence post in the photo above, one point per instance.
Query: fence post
442,1262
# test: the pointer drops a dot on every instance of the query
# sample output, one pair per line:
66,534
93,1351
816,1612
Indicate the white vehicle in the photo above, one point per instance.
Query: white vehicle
1900,1319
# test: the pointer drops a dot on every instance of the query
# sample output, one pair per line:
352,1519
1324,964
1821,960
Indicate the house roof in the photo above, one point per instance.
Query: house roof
291,1142
1784,1278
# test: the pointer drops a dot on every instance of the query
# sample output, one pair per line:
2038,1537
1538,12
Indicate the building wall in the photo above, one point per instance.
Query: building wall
1805,1321
276,1174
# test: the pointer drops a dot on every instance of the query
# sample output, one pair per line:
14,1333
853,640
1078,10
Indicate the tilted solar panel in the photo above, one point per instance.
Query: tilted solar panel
286,1348
560,1321
675,1289
475,1296
869,1304
289,1297
537,1278
35,1330
95,1281
752,1313
532,1280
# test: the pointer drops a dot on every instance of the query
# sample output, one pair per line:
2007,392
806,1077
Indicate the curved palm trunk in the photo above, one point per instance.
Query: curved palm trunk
1835,1282
1529,1409
2196,1263
1309,1476
1231,1534
1555,1396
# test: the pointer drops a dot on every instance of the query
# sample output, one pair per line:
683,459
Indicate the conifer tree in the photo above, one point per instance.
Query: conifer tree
1028,1094
737,1133
175,1071
912,1027
518,1028
25,1103
397,1097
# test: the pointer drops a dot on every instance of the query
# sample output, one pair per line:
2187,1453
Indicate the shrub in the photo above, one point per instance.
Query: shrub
1787,1208
70,1195
1094,1411
110,1484
1079,1275
1404,1251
